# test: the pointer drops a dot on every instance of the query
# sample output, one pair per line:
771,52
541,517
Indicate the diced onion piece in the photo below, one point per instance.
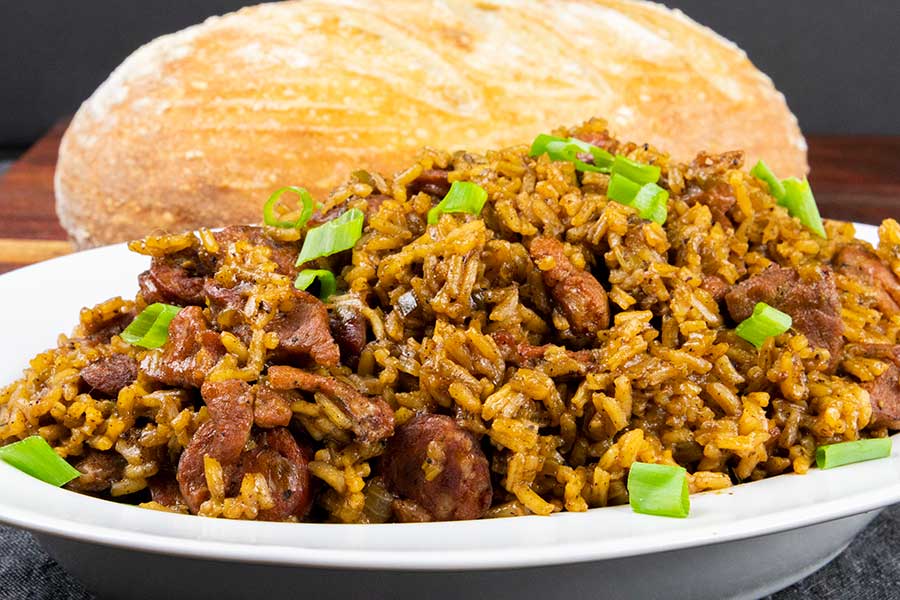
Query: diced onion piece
327,282
150,329
764,323
463,197
276,214
658,490
34,456
635,171
799,200
335,236
845,453
762,172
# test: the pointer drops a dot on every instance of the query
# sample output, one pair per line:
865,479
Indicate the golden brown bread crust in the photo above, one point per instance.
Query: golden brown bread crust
199,127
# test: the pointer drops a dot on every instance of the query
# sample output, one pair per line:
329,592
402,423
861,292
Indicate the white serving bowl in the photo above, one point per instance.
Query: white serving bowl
743,542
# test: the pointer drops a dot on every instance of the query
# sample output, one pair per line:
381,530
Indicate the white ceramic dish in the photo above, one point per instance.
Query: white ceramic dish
744,542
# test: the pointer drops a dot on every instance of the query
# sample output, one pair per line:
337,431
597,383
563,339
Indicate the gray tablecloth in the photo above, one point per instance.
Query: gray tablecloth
868,570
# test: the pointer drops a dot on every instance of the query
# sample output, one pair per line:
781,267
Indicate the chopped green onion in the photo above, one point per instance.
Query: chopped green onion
635,171
845,453
793,194
277,215
150,329
762,172
649,199
332,237
34,456
658,490
568,149
799,200
764,323
463,197
327,282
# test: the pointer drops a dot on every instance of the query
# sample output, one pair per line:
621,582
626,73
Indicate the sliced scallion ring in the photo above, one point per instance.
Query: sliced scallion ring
34,456
765,322
568,149
327,282
335,236
150,329
845,453
658,490
463,197
276,214
650,200
635,171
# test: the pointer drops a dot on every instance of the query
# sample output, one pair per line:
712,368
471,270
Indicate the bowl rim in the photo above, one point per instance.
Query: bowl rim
753,509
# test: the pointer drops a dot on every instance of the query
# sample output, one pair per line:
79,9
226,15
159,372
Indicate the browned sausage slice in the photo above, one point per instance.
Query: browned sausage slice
279,459
108,375
437,464
222,437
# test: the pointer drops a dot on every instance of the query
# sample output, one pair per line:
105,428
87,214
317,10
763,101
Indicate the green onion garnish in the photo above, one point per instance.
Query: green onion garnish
332,237
793,194
150,329
275,214
799,200
635,171
658,490
845,453
327,282
762,172
764,323
568,149
649,199
463,197
34,456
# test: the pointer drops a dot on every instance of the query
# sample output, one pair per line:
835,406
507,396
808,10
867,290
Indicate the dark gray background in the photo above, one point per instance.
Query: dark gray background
838,62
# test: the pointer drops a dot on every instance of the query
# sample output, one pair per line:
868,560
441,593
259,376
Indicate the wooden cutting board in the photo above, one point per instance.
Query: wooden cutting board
855,178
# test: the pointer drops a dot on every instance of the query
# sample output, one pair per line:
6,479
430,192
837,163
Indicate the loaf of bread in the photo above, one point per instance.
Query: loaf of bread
197,128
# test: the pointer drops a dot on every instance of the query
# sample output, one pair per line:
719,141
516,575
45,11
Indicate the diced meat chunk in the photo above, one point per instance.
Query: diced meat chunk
164,490
715,286
106,376
170,283
706,167
304,332
282,463
433,182
189,353
578,294
348,326
813,304
437,464
222,437
271,407
884,394
99,470
857,262
371,417
719,199
522,354
407,511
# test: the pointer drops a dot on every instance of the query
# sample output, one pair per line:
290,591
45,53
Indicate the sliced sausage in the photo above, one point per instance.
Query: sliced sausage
884,394
166,281
106,376
461,486
348,327
279,459
578,294
222,437
371,417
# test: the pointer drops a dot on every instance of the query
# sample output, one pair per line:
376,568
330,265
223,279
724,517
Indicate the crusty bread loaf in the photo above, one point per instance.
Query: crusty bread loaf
199,127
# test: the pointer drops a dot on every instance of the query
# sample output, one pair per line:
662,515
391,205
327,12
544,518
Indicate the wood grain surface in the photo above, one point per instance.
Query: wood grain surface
855,178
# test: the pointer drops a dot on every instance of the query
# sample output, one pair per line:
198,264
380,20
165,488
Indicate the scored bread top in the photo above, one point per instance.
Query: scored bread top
197,128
